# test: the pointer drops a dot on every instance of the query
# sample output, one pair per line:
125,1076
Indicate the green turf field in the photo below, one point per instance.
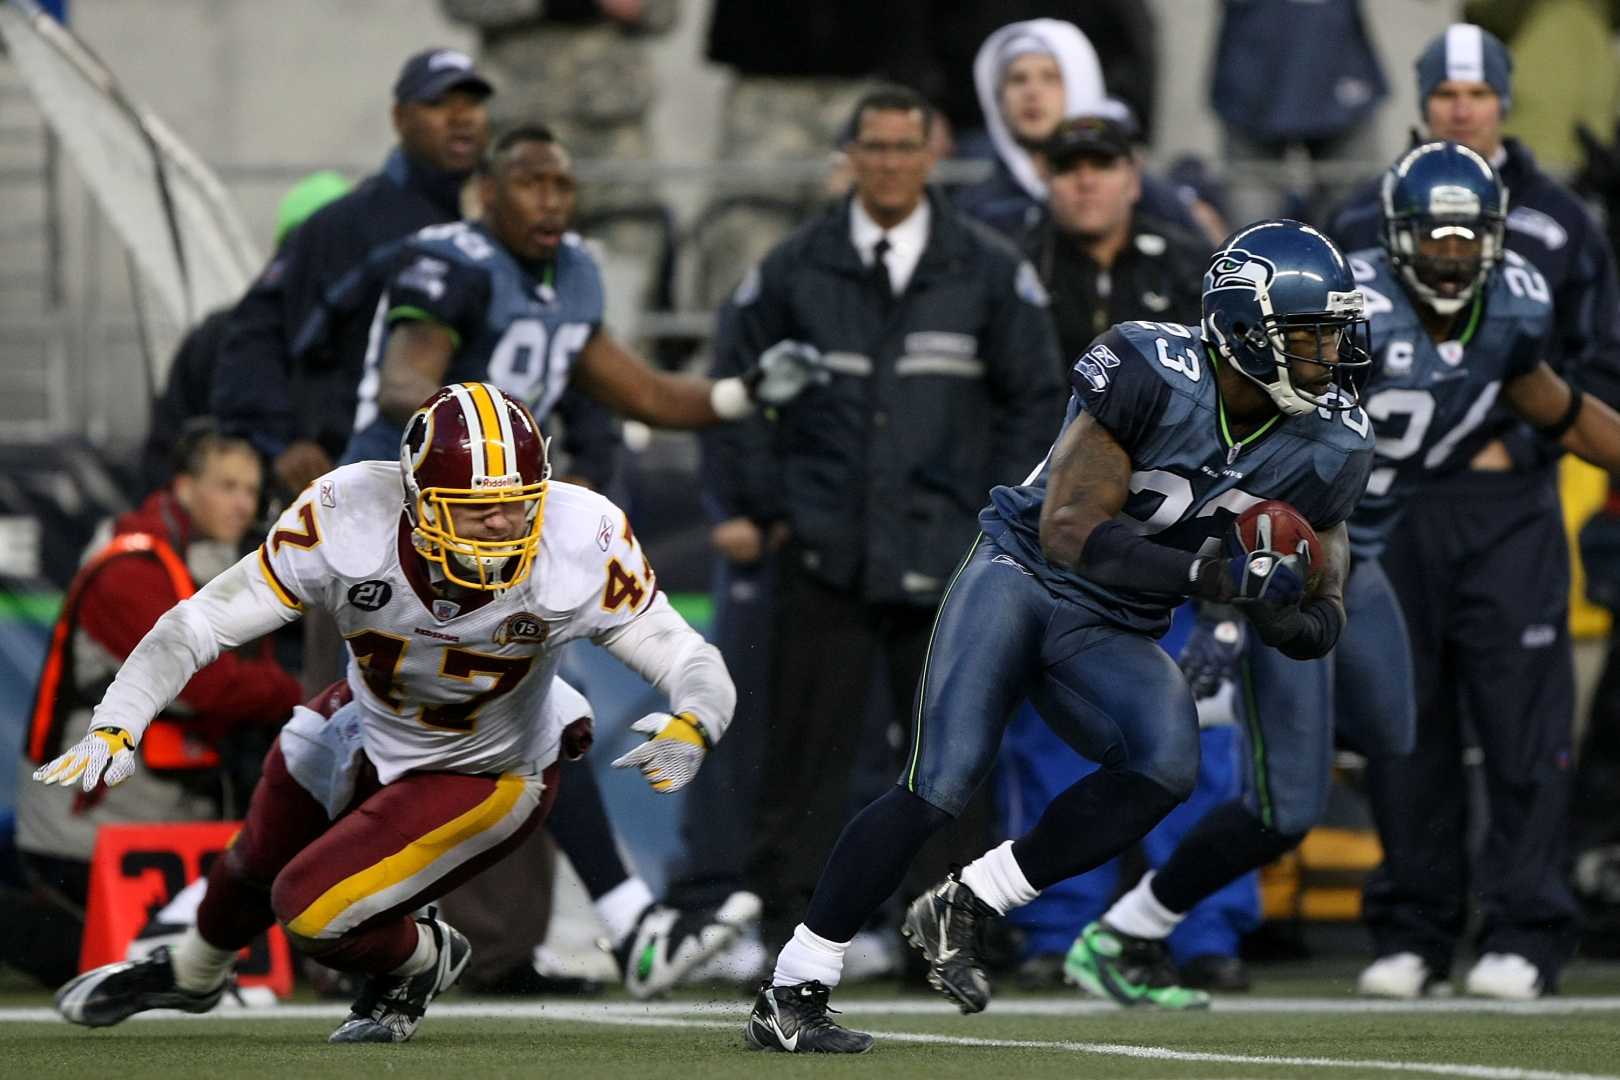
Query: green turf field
1296,1024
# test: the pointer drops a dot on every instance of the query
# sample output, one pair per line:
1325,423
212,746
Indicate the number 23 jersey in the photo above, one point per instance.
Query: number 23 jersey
446,685
1153,387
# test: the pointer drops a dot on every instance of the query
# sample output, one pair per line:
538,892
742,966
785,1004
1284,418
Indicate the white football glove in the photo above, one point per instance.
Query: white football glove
105,753
784,371
670,758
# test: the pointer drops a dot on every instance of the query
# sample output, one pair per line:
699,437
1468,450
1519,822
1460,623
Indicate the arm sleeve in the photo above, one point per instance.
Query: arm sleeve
740,467
659,646
1115,385
1022,353
236,607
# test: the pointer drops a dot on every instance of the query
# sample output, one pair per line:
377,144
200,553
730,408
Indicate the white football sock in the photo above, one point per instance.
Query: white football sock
621,906
425,955
1140,914
199,966
809,957
996,878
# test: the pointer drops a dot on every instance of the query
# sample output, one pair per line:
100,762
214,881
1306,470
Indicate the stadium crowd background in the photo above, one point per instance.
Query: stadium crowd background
266,94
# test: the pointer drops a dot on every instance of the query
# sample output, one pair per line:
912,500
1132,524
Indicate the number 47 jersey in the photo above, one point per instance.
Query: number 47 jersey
447,685
1430,401
1153,387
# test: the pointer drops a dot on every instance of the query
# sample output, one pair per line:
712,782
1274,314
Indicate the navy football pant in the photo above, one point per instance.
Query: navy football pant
1112,695
1482,569
1291,709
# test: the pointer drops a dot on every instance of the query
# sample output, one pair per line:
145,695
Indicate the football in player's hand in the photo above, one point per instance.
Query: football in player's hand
1273,525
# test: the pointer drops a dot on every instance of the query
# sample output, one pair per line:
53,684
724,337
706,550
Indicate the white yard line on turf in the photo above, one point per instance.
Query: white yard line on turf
1064,1005
670,1015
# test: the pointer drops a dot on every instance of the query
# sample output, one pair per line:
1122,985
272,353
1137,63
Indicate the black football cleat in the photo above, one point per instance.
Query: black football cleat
944,924
793,1020
115,992
390,1007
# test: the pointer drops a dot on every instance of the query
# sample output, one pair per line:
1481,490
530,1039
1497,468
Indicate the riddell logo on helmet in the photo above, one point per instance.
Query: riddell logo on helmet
1237,269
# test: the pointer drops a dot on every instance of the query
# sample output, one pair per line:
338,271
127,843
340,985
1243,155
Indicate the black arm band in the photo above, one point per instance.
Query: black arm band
1303,633
1556,429
1113,555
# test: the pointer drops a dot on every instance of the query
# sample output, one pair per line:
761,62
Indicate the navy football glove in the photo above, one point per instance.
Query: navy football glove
1248,577
1213,650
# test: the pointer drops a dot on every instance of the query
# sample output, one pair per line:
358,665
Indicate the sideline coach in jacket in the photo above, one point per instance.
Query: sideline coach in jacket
944,366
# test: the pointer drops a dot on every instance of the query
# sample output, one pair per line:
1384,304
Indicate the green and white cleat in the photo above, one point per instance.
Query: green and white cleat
1130,970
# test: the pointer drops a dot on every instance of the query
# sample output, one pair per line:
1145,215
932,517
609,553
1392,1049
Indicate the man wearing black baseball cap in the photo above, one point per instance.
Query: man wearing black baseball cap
1103,259
295,346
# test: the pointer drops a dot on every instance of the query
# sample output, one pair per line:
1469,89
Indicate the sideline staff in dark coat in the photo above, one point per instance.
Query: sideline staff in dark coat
293,400
944,367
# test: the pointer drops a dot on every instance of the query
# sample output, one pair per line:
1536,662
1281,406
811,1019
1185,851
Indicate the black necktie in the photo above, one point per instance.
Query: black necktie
880,269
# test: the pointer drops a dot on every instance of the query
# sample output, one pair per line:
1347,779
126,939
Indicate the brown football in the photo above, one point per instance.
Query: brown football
1273,525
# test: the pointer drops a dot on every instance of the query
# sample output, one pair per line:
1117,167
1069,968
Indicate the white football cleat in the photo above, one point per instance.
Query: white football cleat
1400,975
1507,976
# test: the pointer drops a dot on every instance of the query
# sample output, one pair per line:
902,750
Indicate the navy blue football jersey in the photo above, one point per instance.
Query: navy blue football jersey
512,328
1152,385
1429,400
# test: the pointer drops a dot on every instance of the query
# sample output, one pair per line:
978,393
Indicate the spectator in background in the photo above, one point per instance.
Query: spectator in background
292,357
150,564
1030,76
943,370
1504,656
584,68
797,71
1292,74
1123,33
1105,262
186,397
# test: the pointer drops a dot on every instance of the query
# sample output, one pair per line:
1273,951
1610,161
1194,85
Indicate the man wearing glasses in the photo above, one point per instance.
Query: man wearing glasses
943,367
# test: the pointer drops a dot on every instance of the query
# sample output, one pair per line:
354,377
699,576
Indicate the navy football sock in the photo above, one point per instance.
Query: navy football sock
1089,823
870,861
580,826
1226,844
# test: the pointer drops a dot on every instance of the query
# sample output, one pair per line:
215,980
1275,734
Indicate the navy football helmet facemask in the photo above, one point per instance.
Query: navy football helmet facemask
1437,191
1268,283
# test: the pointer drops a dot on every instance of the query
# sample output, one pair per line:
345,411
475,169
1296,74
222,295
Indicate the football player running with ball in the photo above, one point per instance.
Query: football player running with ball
1457,321
1172,432
454,606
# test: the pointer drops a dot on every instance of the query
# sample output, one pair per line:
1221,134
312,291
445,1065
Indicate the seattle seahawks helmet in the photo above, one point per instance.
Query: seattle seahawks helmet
1439,191
1267,284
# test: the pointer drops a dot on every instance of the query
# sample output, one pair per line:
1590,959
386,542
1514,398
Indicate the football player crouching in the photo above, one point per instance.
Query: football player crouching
455,607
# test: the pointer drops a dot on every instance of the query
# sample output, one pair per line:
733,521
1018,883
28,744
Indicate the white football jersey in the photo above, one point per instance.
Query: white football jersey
446,685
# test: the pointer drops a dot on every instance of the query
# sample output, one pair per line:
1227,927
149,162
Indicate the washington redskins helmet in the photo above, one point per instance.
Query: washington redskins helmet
471,444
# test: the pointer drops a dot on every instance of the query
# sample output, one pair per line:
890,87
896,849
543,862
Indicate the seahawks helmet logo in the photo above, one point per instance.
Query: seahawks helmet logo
1237,269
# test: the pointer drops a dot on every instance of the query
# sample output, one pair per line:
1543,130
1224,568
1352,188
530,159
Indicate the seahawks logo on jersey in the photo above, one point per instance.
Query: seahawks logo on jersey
1094,366
1237,269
